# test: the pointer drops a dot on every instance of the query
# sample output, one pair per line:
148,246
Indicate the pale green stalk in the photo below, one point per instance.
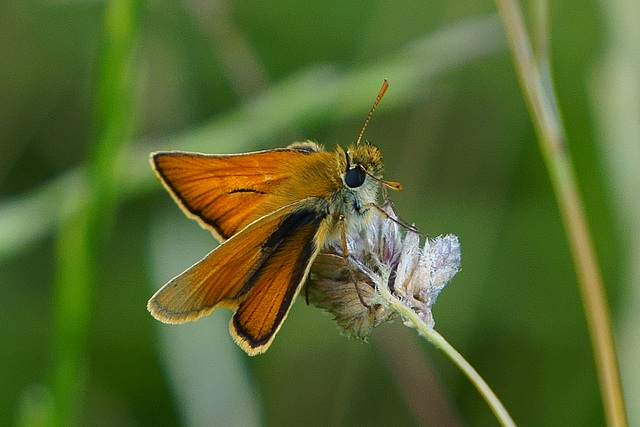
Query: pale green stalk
315,95
536,82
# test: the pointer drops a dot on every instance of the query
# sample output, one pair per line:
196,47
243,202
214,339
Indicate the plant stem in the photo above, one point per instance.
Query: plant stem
536,83
492,400
317,95
80,234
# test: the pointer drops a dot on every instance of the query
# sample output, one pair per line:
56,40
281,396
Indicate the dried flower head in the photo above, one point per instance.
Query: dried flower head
382,255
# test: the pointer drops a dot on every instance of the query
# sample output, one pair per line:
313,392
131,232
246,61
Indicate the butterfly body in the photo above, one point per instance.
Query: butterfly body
273,211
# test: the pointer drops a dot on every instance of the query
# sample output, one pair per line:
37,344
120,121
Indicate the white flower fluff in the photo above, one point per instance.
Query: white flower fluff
383,254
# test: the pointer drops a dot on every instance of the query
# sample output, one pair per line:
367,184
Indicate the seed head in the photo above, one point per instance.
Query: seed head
383,254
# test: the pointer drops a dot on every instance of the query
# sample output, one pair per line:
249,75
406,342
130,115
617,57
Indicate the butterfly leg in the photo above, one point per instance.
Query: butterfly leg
345,255
395,217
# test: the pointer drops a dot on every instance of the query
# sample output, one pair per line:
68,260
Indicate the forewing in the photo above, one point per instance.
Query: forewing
277,281
227,272
225,193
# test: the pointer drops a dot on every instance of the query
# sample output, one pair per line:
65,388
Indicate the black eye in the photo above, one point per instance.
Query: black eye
355,177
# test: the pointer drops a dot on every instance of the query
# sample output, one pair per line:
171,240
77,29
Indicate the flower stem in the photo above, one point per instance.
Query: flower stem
489,396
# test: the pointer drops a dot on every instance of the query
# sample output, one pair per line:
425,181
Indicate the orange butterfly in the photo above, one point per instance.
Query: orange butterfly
273,211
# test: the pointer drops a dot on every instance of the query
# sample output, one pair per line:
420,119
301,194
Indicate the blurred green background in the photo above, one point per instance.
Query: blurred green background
89,88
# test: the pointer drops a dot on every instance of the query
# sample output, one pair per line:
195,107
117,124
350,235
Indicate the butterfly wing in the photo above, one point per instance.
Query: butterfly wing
276,283
225,193
257,272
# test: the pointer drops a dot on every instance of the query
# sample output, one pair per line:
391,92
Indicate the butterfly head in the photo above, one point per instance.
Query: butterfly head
362,162
360,169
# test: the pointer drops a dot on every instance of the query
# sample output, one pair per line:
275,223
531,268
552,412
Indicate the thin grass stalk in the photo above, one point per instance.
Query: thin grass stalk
536,82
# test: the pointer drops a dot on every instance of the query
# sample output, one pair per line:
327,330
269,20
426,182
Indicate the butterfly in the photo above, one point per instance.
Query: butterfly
273,211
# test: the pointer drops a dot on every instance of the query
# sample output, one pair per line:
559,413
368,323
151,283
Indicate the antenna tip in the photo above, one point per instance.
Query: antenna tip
394,185
383,89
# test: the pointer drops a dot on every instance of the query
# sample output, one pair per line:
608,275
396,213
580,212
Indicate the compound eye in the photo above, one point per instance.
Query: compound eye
355,177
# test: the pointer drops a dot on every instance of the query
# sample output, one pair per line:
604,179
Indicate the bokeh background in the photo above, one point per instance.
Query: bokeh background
89,88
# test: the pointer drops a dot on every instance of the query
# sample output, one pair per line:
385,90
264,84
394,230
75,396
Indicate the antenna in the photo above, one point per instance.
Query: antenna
383,89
